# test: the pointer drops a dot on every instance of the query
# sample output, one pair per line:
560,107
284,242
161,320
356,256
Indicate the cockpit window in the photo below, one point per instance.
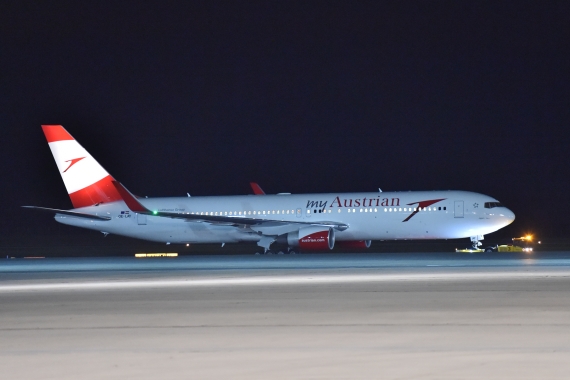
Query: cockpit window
493,204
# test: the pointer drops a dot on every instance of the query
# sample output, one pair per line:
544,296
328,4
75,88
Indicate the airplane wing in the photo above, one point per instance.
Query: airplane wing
68,212
134,205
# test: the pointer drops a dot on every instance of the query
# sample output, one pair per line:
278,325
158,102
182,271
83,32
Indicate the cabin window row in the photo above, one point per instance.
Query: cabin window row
292,212
398,209
243,213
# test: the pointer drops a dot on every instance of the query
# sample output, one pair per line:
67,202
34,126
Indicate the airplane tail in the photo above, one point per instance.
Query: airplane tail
86,181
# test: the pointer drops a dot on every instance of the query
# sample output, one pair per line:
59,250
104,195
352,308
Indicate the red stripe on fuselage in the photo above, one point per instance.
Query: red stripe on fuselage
100,192
56,133
129,198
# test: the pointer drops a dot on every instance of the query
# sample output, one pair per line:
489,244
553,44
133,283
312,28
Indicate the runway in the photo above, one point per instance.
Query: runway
400,316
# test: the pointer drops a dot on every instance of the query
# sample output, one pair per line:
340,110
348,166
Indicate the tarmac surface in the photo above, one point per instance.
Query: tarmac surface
390,316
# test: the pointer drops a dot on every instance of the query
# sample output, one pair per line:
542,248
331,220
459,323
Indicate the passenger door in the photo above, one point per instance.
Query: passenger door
459,209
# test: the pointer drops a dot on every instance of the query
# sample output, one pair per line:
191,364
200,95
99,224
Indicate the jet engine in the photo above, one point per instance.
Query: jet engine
312,238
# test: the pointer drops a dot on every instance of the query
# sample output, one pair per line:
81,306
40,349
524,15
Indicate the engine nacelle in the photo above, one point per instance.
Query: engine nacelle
313,238
354,244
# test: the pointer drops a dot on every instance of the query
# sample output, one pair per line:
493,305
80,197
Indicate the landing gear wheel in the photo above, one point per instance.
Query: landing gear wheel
292,252
476,241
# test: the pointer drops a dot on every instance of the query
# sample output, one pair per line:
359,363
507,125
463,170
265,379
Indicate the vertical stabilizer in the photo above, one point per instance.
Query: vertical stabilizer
86,181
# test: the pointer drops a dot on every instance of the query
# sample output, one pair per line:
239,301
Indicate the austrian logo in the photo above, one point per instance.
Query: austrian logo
421,205
72,162
377,201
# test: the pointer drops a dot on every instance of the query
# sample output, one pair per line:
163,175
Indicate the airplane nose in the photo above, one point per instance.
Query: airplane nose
508,215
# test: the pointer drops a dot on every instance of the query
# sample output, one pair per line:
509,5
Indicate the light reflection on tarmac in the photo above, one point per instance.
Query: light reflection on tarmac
446,315
284,263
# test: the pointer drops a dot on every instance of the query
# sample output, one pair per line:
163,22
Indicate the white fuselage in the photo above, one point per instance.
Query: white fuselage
369,216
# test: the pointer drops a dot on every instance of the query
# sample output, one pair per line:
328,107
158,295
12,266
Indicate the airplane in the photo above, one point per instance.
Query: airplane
294,222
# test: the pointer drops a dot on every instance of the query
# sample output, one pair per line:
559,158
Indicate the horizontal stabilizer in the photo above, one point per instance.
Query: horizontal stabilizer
70,213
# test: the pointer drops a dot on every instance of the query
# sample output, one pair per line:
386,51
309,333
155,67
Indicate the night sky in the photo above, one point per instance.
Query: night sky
204,97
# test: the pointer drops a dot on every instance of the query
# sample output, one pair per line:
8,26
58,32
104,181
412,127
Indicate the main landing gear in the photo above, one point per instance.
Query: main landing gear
475,241
277,251
269,246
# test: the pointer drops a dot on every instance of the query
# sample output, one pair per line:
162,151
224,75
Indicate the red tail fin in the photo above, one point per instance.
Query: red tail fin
86,181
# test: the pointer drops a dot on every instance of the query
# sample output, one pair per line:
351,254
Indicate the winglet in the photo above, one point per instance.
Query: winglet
257,190
132,203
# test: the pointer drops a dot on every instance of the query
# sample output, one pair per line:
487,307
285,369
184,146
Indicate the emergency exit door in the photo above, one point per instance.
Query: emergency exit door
141,219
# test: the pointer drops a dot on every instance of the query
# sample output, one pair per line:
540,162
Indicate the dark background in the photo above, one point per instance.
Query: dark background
205,96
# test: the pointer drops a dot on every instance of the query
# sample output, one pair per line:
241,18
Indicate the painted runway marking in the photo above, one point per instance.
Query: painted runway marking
314,279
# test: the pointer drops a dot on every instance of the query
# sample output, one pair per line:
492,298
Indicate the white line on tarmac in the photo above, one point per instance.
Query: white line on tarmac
279,280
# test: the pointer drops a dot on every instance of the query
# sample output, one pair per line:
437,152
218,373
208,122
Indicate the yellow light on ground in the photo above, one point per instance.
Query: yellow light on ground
524,238
157,254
